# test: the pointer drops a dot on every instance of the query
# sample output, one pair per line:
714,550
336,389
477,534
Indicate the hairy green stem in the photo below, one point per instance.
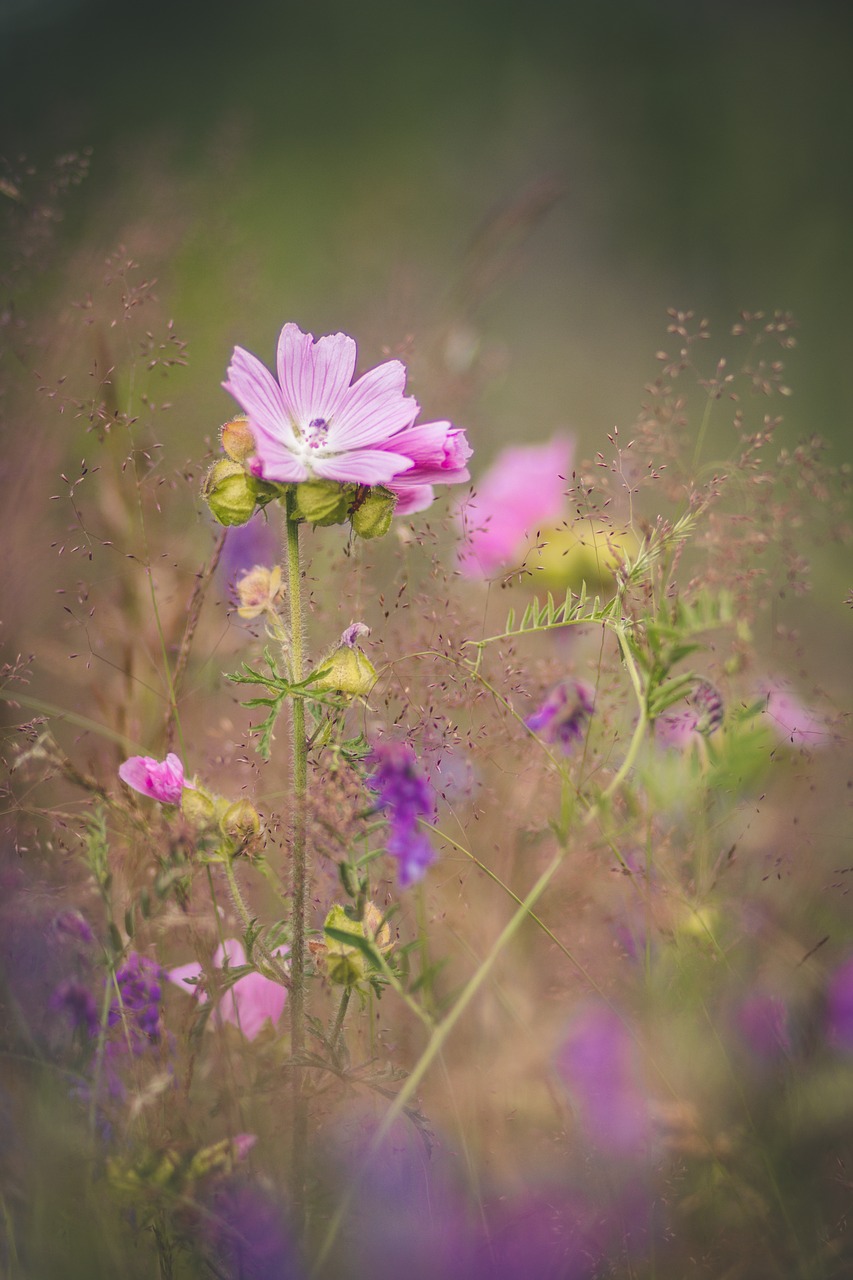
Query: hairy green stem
299,867
337,1025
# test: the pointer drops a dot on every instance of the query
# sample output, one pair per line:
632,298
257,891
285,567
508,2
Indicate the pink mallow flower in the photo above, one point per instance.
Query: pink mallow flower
522,491
314,422
249,1003
163,781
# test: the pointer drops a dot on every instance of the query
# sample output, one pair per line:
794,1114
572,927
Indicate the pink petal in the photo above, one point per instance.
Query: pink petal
230,950
251,1002
180,975
362,466
274,461
416,497
374,408
162,781
314,376
257,392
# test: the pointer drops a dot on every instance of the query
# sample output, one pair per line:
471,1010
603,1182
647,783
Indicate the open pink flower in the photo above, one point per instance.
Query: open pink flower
523,490
162,781
249,1003
314,422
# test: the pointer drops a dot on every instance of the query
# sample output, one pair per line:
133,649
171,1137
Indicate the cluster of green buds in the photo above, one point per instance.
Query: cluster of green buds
234,494
224,828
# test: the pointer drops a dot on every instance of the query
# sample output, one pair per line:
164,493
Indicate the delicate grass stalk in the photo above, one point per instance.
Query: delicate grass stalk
299,869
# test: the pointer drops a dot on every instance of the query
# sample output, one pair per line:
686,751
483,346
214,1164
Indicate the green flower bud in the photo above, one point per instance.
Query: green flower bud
198,809
240,822
346,671
323,502
346,965
371,518
230,492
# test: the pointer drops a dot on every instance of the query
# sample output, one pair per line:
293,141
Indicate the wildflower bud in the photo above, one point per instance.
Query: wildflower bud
349,671
240,822
371,517
258,590
347,965
323,502
237,440
230,492
198,809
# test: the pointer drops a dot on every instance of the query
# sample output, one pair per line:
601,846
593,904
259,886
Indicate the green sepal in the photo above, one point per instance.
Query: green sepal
371,517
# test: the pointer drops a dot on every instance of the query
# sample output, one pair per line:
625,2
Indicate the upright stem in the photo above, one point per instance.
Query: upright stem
298,862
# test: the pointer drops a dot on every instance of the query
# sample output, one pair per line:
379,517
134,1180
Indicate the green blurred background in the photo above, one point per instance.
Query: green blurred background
535,181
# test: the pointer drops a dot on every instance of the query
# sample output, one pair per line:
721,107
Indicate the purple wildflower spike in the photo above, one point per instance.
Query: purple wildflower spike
405,792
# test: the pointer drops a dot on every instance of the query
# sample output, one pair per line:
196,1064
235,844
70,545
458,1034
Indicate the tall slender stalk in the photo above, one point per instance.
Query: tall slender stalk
299,868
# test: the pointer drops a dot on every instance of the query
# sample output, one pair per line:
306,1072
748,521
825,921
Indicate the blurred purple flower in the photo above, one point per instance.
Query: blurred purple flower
136,1007
839,1007
598,1063
314,422
551,1237
71,924
791,720
762,1023
247,545
563,716
405,792
244,1228
523,489
162,781
253,999
76,1001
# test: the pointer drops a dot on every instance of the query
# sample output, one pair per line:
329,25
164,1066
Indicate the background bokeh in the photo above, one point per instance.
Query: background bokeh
334,163
510,196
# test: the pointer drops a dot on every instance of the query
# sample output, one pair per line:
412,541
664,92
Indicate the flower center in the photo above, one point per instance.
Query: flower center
316,433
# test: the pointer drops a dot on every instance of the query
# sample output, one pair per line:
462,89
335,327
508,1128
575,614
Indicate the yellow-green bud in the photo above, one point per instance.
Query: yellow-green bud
197,808
372,516
347,965
237,440
230,492
240,822
323,502
346,671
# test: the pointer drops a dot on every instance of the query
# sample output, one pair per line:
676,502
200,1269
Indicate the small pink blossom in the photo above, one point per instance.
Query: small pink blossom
791,721
248,1004
314,422
523,490
162,781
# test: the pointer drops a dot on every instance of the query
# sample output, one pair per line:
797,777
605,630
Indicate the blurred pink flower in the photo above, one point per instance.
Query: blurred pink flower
314,422
791,720
162,781
249,1003
523,489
